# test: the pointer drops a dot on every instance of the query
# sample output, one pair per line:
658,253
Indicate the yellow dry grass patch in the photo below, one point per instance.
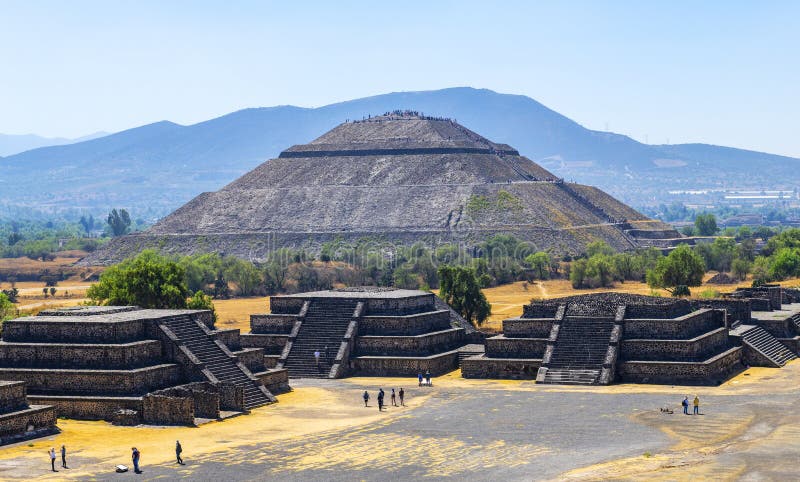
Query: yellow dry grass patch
235,312
101,446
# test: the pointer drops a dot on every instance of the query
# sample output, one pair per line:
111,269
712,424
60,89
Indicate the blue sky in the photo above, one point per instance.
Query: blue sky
724,72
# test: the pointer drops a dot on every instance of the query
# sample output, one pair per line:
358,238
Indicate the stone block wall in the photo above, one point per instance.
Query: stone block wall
780,328
737,309
12,396
285,305
117,356
527,328
514,369
760,304
418,345
540,310
682,328
271,323
35,329
167,410
400,306
271,344
404,325
695,349
120,382
252,358
229,338
710,372
404,366
89,407
276,381
37,417
504,347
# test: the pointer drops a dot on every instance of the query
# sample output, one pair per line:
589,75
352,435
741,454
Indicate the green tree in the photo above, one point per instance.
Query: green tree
87,224
201,301
677,271
740,268
598,247
784,263
119,222
540,264
459,288
148,280
705,224
7,308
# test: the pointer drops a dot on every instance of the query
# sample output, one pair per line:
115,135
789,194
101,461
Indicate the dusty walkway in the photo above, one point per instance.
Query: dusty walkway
473,429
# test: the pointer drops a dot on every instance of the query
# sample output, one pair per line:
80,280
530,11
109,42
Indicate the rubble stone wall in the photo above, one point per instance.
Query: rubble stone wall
514,369
32,330
116,356
272,323
419,345
168,410
272,344
122,382
502,347
527,328
711,372
404,325
89,407
682,328
404,366
696,349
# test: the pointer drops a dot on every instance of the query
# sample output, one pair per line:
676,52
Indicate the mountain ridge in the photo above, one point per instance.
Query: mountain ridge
161,165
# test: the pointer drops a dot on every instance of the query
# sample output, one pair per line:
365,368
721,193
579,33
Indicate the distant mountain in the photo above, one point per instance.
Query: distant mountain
155,168
13,144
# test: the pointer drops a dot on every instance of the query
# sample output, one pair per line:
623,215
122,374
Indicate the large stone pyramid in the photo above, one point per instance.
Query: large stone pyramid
396,178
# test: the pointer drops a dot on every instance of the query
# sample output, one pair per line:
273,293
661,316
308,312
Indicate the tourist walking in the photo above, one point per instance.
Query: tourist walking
316,358
685,404
64,456
419,378
380,399
178,452
366,398
325,351
402,394
135,455
394,398
696,405
52,454
428,377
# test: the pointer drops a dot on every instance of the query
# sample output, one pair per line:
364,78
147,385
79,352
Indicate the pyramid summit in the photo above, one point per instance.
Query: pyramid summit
401,177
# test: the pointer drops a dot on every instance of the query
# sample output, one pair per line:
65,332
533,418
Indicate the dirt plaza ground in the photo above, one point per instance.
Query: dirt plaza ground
458,429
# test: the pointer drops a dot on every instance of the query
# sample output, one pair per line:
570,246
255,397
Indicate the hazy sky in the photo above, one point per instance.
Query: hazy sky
725,72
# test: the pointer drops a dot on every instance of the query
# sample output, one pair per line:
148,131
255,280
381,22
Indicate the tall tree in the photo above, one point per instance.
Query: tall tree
459,287
540,264
677,271
149,280
119,222
705,224
88,224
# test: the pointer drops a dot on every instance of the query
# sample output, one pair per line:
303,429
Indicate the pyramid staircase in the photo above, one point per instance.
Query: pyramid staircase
579,351
222,365
470,350
762,341
325,324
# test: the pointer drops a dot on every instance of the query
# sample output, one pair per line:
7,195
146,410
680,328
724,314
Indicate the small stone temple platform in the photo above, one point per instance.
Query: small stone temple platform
364,331
133,365
606,337
19,420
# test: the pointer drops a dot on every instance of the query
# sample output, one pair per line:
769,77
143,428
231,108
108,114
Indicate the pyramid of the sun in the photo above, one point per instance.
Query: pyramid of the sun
397,178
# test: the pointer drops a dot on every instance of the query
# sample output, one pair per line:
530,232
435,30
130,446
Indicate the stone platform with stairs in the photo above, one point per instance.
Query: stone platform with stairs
358,331
93,362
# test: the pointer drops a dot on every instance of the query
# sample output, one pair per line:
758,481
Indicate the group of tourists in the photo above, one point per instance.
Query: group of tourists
695,403
426,380
136,455
52,454
317,355
381,394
